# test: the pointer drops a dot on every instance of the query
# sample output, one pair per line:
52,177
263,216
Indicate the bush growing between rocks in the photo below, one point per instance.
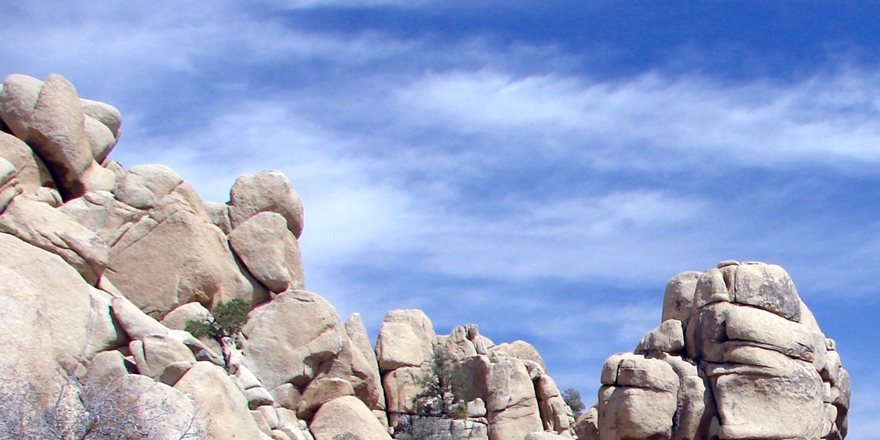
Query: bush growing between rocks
228,320
422,428
81,412
445,388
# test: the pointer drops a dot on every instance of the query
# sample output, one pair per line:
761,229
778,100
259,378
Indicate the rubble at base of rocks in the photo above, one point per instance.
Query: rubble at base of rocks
103,267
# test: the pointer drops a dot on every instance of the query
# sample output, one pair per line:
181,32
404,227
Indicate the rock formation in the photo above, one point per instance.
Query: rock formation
737,355
102,269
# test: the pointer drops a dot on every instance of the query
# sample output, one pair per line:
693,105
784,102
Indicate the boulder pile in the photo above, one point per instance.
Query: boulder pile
737,355
102,268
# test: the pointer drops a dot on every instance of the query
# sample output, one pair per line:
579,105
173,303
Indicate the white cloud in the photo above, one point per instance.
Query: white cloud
654,120
309,4
464,163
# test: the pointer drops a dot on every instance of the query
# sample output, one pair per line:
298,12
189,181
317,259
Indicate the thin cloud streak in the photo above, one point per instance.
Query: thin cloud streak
821,120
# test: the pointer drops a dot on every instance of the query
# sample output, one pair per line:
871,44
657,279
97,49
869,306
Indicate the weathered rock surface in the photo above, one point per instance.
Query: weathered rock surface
174,254
511,402
406,339
266,191
347,416
269,251
364,368
737,355
30,171
48,228
292,339
221,402
752,364
67,299
49,117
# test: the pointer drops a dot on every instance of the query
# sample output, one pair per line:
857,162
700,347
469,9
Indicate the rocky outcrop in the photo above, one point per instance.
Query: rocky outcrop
738,355
104,271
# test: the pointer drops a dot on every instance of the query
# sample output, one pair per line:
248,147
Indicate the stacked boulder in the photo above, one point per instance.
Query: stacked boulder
102,269
738,355
501,392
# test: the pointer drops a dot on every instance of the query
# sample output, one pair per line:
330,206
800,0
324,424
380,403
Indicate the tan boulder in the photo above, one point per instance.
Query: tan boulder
521,350
18,99
223,405
174,255
105,113
510,401
545,387
668,338
457,345
267,190
779,401
291,337
104,331
133,404
55,129
406,339
23,335
705,334
105,369
30,170
154,353
402,386
136,323
101,213
611,366
100,138
269,251
347,416
219,215
587,425
712,287
627,412
364,368
177,319
769,330
678,300
320,391
694,400
555,417
67,310
647,373
149,186
48,228
768,286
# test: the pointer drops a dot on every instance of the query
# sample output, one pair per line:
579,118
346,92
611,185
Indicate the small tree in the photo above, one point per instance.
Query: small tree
227,322
572,398
445,387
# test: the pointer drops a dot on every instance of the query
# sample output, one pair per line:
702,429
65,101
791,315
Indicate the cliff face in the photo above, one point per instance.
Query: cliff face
103,268
738,355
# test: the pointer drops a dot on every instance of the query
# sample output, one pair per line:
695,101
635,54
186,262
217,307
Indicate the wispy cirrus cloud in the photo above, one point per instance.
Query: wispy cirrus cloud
483,179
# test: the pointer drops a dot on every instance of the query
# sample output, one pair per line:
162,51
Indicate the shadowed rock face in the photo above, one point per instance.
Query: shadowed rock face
751,363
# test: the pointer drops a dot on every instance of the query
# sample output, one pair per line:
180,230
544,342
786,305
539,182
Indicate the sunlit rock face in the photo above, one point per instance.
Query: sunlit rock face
738,355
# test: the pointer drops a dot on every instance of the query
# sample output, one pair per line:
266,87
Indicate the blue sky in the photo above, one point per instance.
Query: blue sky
538,168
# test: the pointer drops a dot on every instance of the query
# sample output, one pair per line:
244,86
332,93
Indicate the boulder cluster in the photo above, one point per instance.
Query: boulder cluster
737,355
103,268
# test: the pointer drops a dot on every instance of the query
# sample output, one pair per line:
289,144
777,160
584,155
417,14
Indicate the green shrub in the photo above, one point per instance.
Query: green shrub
445,389
228,320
